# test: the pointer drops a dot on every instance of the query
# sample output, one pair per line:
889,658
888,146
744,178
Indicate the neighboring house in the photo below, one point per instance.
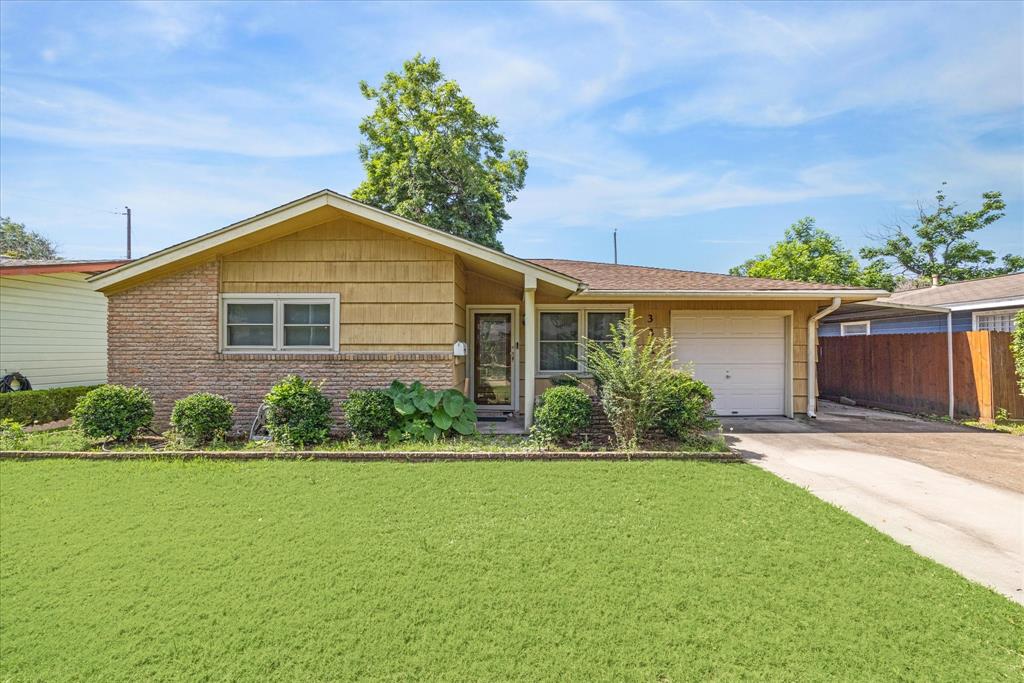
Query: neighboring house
975,305
339,291
53,322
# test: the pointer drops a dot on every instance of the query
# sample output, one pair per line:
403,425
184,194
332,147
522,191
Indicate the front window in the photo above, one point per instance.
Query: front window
562,334
995,321
599,325
250,324
559,341
280,322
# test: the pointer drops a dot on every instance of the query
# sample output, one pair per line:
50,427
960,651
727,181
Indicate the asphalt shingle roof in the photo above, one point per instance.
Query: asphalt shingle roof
616,277
987,289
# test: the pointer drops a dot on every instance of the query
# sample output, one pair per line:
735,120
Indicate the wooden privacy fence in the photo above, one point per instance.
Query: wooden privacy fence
908,372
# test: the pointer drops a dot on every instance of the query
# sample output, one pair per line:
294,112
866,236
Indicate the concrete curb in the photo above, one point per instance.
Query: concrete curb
370,456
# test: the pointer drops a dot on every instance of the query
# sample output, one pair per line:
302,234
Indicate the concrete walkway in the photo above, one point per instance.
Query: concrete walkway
975,528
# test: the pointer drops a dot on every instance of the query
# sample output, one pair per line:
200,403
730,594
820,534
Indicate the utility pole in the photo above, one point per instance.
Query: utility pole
128,214
615,244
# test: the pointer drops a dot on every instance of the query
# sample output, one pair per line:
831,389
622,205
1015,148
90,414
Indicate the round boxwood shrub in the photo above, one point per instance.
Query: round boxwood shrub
687,407
298,414
371,413
562,412
202,417
113,412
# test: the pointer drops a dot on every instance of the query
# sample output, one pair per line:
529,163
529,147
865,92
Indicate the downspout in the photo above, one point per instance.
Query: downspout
949,360
812,352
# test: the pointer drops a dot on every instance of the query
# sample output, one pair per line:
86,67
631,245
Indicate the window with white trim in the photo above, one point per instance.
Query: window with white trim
995,321
559,342
562,333
285,322
860,328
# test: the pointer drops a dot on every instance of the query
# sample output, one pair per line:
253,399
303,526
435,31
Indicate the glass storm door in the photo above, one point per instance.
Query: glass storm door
492,359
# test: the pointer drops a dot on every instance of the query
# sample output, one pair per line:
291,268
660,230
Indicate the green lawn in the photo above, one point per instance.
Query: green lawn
652,571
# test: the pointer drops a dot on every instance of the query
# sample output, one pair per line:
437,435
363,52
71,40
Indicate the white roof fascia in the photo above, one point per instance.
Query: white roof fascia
991,303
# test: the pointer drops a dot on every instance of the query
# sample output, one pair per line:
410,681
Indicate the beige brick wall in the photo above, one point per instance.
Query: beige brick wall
163,336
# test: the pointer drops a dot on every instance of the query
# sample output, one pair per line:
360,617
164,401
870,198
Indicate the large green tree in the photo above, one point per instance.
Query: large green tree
812,254
17,242
940,247
432,157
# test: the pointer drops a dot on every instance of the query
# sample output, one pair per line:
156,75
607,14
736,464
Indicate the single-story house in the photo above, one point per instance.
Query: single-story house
53,322
972,306
335,290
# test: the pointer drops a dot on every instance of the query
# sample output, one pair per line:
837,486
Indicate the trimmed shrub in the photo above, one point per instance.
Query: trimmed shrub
201,418
561,412
40,406
298,414
371,413
687,410
113,412
429,415
12,434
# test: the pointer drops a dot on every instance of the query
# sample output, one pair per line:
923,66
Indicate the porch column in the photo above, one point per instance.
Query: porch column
530,311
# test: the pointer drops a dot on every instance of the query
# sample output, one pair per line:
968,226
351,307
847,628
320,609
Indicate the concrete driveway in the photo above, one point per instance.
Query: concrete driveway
951,493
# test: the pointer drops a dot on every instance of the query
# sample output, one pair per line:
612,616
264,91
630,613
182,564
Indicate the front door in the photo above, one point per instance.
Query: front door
492,358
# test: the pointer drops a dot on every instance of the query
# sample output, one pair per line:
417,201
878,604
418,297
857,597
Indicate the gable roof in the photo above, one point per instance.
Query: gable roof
610,279
23,266
582,278
312,208
986,290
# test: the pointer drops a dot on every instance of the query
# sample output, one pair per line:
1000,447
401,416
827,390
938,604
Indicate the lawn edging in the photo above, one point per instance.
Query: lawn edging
374,456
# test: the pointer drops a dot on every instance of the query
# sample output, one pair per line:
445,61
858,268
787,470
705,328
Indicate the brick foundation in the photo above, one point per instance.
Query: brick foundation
163,335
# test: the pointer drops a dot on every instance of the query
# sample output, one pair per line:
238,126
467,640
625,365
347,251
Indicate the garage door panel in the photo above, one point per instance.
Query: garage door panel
740,356
728,350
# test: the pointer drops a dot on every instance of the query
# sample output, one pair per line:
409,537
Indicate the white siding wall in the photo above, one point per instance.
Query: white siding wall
53,330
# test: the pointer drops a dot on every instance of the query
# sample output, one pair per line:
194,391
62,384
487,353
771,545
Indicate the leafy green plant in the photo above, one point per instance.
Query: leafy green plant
371,413
40,406
298,414
1017,345
428,414
561,412
687,410
12,434
201,418
113,412
630,371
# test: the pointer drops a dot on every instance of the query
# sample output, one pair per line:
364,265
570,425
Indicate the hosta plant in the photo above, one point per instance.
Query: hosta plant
429,414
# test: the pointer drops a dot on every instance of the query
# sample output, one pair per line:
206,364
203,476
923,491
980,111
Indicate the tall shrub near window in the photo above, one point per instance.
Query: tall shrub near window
1017,344
631,368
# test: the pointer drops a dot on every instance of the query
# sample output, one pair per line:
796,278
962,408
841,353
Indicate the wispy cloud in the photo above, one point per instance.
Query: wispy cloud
632,113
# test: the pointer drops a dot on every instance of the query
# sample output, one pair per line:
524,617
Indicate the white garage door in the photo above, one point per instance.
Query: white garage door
741,356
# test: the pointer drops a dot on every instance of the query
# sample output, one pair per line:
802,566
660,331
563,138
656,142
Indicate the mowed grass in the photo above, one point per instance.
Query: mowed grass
653,571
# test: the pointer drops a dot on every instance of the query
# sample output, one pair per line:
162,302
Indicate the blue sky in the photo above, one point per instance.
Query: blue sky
699,131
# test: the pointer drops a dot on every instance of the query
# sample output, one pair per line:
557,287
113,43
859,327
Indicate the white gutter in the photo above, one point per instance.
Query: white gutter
725,293
812,361
985,305
949,360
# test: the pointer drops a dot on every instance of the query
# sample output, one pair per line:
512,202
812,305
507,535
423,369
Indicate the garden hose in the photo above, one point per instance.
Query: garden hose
14,382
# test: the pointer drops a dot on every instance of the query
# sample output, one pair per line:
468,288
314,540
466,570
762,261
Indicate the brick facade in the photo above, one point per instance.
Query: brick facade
163,335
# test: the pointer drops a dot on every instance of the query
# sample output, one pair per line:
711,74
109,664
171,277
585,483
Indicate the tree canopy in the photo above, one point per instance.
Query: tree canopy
812,254
17,242
939,245
431,157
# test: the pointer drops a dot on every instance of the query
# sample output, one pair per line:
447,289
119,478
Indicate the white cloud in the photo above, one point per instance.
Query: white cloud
235,121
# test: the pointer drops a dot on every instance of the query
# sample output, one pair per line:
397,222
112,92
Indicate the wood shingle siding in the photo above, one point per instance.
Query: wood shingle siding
53,329
396,294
